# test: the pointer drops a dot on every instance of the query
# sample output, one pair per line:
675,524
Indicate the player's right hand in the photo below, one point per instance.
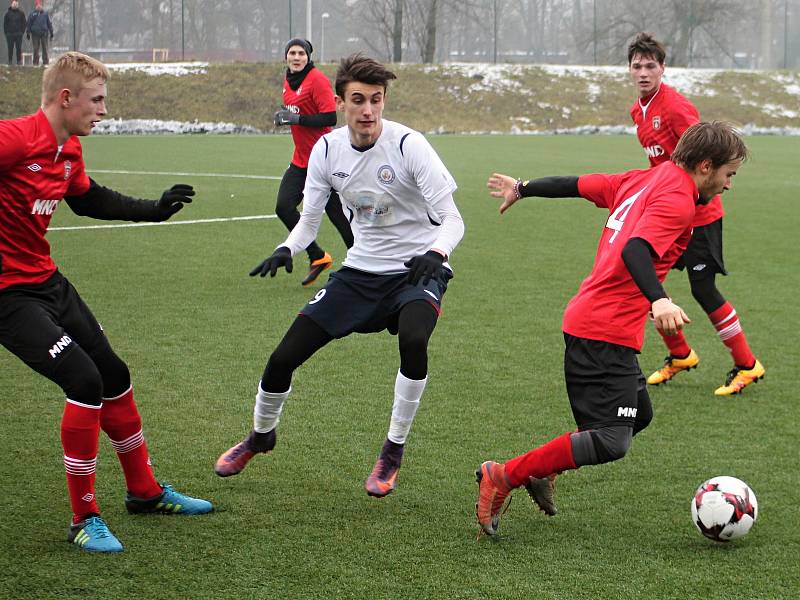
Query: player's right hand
282,257
503,186
669,318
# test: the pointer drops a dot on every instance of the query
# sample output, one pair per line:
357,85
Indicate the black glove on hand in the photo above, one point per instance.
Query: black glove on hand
286,117
282,257
172,200
425,265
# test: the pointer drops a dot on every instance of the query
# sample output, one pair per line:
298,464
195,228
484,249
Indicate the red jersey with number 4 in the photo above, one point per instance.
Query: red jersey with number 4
660,123
656,205
34,178
314,96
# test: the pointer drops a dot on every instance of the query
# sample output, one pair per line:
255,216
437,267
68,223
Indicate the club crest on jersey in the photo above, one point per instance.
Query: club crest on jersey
67,169
385,174
656,122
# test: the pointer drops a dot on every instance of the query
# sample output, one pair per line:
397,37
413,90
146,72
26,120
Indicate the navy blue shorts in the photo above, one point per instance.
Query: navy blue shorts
604,383
703,256
354,301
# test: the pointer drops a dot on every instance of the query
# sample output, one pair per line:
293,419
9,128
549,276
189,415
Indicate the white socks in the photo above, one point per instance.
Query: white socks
407,394
267,411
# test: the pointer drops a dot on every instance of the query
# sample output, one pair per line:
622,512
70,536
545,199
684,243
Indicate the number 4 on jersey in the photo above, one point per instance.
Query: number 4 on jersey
617,218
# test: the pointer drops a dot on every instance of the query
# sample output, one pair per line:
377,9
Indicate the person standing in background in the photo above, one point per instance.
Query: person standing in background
309,107
14,29
39,31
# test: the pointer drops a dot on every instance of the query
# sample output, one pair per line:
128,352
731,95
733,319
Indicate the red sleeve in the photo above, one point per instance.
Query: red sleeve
684,115
12,145
664,219
323,93
598,188
79,182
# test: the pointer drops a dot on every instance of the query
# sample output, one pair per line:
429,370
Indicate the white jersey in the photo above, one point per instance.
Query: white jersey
398,196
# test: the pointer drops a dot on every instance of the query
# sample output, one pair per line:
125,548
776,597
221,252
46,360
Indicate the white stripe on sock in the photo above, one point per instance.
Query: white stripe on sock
128,444
79,466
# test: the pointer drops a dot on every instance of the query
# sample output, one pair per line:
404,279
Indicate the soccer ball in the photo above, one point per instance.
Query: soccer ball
724,508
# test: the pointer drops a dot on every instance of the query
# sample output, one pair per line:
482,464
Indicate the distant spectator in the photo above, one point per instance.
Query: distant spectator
14,28
38,30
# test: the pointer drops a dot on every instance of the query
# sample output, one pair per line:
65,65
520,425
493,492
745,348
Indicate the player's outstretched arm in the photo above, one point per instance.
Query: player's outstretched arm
100,202
282,257
511,190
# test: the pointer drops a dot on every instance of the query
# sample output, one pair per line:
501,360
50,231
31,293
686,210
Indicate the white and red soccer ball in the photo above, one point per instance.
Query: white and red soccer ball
724,508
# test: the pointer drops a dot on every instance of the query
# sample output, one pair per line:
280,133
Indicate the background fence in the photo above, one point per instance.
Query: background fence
748,34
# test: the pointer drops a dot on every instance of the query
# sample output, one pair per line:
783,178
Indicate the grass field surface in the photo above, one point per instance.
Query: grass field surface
179,307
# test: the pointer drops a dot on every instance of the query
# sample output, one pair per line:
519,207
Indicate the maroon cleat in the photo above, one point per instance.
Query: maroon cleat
235,459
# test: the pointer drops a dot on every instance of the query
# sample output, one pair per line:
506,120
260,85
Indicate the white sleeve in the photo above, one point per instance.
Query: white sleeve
315,197
436,185
452,229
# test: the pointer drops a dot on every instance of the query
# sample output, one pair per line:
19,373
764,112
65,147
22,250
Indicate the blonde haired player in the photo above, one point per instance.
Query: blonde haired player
43,319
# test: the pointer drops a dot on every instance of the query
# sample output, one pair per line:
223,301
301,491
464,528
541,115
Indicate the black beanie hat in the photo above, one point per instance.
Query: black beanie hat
306,45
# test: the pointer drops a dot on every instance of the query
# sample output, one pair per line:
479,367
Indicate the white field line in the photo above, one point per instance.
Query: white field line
193,222
230,175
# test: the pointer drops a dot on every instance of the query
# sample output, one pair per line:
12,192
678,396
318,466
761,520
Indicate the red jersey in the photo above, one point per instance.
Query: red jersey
660,123
656,205
34,177
312,97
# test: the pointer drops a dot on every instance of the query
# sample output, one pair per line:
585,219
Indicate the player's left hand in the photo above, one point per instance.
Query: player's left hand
503,187
173,199
282,257
669,318
424,267
286,117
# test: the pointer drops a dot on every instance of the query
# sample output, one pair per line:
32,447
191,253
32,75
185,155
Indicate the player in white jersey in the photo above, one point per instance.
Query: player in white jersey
398,196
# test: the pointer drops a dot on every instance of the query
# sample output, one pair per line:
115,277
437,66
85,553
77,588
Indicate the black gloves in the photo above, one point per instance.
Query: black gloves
172,200
286,117
424,266
282,257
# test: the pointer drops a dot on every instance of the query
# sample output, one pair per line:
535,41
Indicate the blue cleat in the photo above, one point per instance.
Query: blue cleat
169,502
93,535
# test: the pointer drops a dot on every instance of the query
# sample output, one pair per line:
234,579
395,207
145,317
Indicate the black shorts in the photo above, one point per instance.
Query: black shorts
604,383
354,301
703,256
42,323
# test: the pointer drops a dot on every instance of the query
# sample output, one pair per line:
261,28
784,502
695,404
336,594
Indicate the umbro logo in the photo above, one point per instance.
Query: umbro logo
87,497
35,167
341,175
699,267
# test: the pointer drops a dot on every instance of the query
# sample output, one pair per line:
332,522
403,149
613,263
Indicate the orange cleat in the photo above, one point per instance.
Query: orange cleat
493,489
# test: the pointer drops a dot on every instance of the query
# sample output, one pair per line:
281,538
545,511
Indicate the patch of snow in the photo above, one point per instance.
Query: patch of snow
177,69
154,126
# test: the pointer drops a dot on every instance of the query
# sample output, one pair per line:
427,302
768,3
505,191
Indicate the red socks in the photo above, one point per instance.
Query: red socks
120,419
729,329
677,344
80,433
553,457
